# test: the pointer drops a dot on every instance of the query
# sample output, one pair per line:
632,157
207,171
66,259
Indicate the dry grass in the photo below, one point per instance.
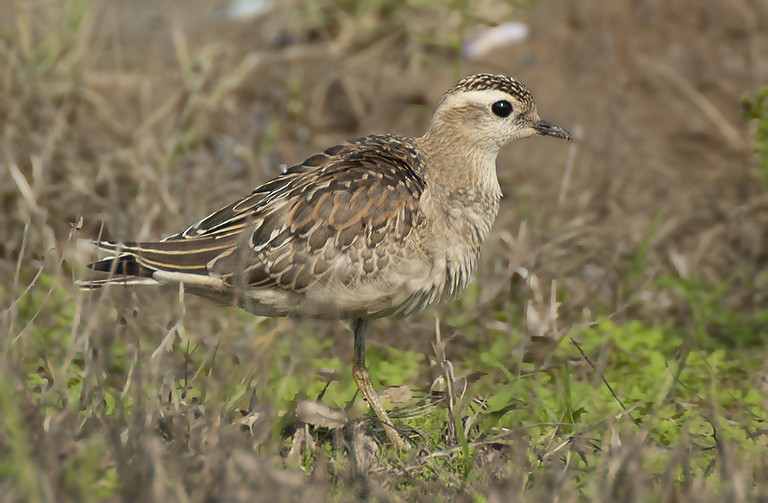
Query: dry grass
141,119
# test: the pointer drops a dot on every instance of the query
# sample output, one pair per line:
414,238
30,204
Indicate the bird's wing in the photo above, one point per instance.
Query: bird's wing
338,216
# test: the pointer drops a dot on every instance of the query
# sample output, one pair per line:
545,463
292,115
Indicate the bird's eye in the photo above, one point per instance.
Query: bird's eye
502,108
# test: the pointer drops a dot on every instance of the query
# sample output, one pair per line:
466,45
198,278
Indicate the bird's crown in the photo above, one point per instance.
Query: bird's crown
489,81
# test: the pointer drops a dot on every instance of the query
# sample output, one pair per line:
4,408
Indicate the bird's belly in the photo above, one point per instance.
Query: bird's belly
408,285
394,292
399,292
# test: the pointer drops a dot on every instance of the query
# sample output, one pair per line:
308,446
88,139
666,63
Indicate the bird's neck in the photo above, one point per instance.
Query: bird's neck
462,190
455,162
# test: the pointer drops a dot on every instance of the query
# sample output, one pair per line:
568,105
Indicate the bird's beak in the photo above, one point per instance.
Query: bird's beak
547,129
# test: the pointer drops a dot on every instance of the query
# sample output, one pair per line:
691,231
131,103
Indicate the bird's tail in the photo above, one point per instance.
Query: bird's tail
156,262
123,269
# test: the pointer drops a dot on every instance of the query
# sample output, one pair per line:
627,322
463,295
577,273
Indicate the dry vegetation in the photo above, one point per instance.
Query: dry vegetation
612,348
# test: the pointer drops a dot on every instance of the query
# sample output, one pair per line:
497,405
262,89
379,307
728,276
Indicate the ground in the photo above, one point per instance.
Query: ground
611,348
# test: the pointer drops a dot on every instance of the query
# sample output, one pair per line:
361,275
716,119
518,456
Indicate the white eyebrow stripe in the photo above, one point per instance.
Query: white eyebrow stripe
486,96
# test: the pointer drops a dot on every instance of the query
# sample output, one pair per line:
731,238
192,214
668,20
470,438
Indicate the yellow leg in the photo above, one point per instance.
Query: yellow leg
363,380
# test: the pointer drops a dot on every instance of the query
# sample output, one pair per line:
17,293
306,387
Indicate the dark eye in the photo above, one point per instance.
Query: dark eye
502,108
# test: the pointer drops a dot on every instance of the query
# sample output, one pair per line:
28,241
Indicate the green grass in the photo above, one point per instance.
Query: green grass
668,391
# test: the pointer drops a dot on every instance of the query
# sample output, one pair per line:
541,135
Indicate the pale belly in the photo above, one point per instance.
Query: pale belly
405,288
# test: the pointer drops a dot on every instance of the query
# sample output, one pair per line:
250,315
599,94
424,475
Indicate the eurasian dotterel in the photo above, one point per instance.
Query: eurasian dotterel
383,225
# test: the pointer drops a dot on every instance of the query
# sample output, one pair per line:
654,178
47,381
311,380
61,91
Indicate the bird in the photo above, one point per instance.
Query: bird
383,225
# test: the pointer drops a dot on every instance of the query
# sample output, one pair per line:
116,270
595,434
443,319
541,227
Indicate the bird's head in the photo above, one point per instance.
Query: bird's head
491,111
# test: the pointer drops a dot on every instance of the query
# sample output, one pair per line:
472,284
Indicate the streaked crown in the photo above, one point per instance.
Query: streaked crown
489,81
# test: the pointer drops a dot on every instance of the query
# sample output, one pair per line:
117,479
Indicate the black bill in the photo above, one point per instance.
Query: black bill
547,129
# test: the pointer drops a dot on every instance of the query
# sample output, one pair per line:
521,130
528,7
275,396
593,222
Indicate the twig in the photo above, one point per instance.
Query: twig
605,381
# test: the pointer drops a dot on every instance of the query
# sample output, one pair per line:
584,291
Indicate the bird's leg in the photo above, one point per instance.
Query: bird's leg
363,380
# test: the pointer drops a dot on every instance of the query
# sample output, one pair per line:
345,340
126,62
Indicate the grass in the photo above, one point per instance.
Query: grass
601,355
756,109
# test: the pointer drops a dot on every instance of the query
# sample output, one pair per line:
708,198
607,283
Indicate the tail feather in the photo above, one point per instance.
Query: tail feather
123,269
188,256
120,265
135,263
96,284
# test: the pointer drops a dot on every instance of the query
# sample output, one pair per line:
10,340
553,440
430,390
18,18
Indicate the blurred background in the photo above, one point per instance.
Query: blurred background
132,120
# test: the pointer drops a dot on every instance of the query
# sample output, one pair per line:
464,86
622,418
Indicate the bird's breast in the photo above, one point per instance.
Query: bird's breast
460,225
